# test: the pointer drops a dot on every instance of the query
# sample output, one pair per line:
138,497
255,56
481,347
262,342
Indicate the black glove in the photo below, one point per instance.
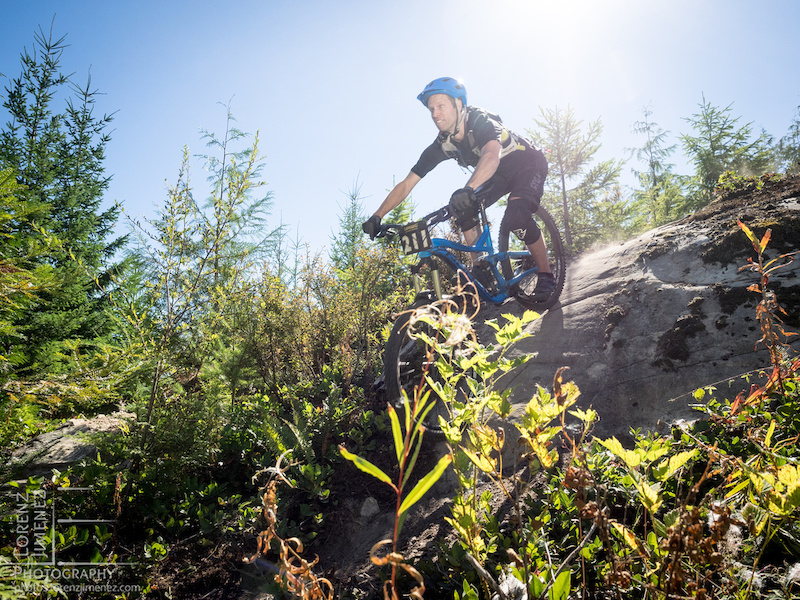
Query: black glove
371,226
463,200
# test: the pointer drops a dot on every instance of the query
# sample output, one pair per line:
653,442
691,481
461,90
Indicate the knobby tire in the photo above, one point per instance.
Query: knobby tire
556,254
405,361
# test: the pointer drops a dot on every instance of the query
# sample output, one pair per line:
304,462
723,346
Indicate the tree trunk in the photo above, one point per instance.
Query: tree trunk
567,232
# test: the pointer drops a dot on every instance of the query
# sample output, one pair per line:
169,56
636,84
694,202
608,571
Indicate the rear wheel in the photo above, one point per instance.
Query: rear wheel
555,250
407,359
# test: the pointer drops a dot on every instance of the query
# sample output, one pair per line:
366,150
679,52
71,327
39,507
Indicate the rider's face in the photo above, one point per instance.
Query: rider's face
444,112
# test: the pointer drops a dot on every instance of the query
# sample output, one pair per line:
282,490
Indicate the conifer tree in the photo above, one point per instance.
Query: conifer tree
350,237
580,186
720,144
58,156
654,153
20,277
788,150
660,198
402,213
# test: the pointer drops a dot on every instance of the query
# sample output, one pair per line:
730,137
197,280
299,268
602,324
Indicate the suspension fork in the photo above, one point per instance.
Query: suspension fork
427,261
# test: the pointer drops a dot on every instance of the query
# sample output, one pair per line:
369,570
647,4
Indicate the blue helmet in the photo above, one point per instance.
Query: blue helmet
444,85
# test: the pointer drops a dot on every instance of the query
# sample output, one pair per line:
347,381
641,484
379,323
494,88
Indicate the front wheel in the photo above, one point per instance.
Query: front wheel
555,251
408,358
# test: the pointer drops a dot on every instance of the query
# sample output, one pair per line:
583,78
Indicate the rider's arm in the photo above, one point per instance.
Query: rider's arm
399,193
487,164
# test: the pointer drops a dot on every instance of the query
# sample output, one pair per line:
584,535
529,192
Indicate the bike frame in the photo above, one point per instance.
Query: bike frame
441,248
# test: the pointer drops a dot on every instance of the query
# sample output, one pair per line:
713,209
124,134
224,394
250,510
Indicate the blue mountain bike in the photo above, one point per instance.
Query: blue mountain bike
500,275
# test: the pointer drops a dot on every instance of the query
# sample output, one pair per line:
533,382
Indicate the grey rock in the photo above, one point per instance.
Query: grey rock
68,444
642,324
370,508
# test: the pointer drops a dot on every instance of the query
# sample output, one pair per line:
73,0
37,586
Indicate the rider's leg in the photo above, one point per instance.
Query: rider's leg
538,250
520,219
470,237
469,224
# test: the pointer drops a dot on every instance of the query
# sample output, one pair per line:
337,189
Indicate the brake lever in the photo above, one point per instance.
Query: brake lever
388,231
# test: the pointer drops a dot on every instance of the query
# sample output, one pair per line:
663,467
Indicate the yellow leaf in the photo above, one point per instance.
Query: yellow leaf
669,467
789,476
737,488
654,453
747,232
482,462
649,494
632,459
629,537
777,504
770,431
761,481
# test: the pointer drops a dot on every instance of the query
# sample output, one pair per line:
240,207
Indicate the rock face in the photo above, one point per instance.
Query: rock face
644,323
66,445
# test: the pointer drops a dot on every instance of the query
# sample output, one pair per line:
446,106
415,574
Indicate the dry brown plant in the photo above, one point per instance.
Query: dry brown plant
295,573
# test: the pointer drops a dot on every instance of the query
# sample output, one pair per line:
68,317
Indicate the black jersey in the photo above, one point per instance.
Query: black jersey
481,127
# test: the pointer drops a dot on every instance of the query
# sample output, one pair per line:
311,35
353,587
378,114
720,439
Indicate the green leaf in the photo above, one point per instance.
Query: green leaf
561,586
504,408
364,465
397,434
537,585
424,484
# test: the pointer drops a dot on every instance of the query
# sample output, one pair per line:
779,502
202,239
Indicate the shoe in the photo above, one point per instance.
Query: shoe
545,286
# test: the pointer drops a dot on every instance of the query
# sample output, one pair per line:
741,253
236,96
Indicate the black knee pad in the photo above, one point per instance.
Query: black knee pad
520,221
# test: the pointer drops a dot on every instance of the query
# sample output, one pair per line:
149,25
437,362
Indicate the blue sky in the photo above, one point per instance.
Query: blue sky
331,86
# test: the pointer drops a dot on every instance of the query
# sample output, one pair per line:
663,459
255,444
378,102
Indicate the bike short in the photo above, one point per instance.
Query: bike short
521,175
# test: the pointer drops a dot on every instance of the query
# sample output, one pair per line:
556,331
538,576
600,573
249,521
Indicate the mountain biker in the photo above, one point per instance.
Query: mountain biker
478,140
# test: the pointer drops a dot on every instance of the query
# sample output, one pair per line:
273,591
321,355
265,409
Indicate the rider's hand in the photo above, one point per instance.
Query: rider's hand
371,226
463,200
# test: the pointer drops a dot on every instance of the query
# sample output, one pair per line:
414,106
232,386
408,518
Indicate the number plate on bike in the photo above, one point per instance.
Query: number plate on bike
415,237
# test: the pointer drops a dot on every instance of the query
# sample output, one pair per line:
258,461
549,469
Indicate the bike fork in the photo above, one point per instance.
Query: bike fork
437,283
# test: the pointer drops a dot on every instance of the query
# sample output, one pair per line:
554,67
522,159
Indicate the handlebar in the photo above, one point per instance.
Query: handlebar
389,230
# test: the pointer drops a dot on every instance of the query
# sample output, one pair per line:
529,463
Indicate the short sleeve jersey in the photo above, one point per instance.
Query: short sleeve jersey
481,128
